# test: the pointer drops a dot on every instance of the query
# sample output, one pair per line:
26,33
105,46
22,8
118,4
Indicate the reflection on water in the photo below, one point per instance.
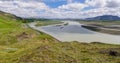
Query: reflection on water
74,32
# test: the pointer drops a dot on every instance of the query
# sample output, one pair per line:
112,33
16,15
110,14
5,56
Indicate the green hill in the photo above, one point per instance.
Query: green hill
21,44
11,27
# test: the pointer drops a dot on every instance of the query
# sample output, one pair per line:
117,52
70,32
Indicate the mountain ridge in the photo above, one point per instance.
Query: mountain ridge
104,17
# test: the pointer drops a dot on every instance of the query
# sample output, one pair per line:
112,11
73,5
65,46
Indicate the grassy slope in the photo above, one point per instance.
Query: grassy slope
72,52
42,48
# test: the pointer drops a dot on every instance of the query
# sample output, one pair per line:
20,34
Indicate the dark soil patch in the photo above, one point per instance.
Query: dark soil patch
111,51
22,36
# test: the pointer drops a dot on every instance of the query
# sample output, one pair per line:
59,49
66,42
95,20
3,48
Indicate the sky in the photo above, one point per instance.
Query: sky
76,9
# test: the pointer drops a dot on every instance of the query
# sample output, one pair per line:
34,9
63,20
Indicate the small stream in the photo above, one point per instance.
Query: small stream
74,32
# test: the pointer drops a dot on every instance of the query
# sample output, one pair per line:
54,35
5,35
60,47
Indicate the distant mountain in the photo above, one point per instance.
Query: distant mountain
104,17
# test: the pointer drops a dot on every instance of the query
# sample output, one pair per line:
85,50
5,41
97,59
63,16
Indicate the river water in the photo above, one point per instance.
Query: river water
74,32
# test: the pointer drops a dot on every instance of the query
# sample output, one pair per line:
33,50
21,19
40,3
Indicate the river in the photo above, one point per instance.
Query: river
74,32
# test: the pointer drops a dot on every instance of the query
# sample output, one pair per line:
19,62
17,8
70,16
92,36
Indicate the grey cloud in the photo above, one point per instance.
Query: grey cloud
113,4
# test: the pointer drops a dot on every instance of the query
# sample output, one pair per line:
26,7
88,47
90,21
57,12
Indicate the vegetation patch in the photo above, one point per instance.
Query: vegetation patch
44,23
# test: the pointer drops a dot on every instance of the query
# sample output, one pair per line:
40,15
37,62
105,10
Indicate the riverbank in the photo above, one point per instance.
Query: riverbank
102,29
108,27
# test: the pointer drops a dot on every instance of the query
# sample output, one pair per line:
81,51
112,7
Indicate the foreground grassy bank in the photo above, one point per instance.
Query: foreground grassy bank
20,44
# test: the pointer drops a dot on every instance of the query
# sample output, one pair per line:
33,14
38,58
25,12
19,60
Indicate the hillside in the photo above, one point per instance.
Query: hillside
11,28
104,17
21,44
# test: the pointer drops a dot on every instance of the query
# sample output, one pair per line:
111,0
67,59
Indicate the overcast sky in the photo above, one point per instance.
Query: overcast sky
61,8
